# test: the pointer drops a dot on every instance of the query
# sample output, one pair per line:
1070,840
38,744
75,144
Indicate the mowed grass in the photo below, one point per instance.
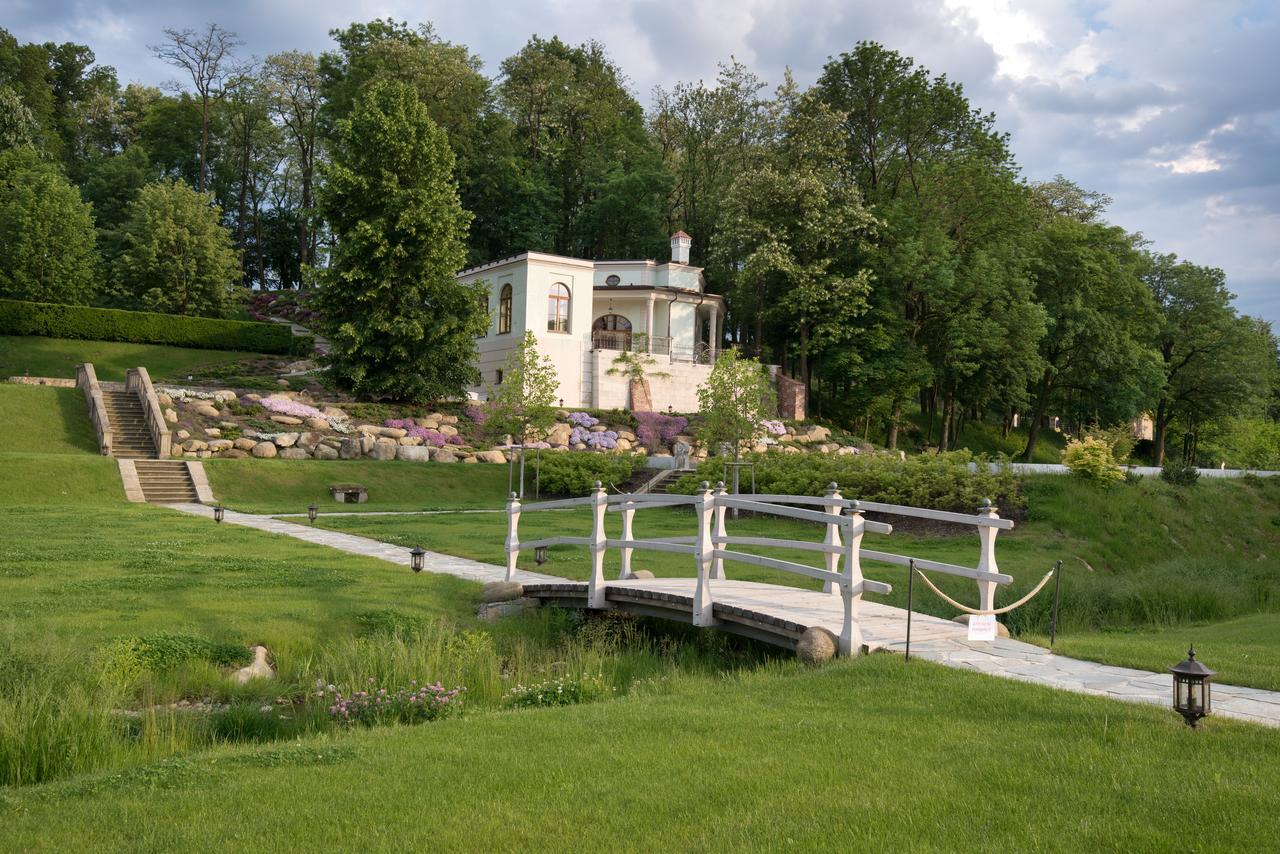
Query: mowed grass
288,486
48,453
58,357
875,754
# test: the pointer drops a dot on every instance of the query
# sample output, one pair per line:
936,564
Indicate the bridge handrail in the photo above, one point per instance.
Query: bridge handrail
841,549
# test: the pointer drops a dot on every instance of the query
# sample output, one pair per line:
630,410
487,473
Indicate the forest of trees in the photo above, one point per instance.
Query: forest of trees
872,234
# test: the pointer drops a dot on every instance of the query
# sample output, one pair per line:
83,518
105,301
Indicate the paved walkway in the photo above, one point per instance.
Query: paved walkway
883,626
386,513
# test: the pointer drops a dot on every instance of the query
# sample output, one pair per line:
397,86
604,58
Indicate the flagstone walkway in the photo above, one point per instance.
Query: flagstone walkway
884,626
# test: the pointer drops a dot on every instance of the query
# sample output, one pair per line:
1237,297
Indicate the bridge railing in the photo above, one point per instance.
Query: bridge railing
706,547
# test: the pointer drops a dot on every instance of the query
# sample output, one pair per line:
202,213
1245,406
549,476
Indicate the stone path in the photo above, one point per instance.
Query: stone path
435,562
883,626
387,513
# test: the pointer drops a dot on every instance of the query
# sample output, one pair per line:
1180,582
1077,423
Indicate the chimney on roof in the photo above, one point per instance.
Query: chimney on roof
680,243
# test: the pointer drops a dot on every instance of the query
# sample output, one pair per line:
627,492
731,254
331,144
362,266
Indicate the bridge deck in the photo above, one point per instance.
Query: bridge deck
767,612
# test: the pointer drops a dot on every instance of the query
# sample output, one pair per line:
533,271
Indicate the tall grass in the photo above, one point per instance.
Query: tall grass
63,712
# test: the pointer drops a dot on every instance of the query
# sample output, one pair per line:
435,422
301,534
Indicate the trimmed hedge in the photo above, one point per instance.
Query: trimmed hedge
144,327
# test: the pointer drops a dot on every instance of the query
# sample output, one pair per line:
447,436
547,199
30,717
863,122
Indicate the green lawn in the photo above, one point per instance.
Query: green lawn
874,754
58,357
46,420
288,486
694,741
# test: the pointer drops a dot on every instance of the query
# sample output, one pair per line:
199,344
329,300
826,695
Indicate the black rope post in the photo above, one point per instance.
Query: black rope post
1057,597
911,577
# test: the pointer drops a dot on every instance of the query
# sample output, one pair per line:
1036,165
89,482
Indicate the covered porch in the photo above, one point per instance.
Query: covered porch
682,327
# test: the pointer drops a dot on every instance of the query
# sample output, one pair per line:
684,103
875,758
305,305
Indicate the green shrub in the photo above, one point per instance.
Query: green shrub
576,472
951,481
1179,474
143,327
1091,459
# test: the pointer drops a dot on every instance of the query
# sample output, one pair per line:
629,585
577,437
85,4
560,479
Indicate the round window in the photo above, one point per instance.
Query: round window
613,280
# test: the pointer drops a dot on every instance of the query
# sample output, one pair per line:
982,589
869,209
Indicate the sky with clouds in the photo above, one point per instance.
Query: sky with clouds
1172,107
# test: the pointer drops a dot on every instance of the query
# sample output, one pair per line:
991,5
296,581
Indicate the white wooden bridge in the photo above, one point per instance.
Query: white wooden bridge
774,613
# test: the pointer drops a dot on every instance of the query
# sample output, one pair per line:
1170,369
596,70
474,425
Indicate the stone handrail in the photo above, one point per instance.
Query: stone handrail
138,381
87,382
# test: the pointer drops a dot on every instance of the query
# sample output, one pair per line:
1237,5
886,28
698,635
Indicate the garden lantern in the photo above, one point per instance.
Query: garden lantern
312,512
1191,688
218,513
417,559
540,555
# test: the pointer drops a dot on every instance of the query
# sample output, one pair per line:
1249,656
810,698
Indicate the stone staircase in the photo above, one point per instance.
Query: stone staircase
166,481
130,436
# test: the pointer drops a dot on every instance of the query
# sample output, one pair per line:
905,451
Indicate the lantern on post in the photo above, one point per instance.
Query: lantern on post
539,555
218,513
1191,693
312,512
417,558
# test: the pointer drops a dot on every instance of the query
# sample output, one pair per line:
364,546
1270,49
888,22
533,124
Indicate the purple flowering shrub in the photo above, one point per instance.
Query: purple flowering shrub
656,430
607,440
429,437
476,414
409,705
583,419
773,428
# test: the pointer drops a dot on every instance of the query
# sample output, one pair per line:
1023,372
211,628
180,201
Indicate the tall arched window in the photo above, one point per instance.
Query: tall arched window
558,308
504,309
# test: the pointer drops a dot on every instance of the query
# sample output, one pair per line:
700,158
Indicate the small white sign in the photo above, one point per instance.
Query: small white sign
982,627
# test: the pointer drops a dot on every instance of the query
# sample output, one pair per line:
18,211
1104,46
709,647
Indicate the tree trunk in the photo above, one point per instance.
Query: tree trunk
1160,432
1042,406
204,138
896,416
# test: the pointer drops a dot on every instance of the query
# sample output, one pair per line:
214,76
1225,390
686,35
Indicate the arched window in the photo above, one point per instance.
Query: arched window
611,332
504,309
558,308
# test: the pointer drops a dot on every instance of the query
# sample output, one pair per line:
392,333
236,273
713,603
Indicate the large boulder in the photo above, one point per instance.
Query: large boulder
444,455
235,454
382,451
639,575
393,432
431,422
182,435
368,429
194,445
264,450
287,420
350,449
286,440
501,591
494,456
366,443
245,444
448,429
410,440
170,416
220,445
413,453
316,423
448,419
817,645
294,454
208,410
325,452
224,395
559,435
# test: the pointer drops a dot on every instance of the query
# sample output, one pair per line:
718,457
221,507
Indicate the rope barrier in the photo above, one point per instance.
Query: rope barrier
976,612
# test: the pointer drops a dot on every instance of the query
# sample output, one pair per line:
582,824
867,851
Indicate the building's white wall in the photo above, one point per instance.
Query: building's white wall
682,328
679,390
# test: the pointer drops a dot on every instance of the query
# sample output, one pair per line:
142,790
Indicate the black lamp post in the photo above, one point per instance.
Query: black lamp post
1191,694
312,512
218,513
540,555
417,558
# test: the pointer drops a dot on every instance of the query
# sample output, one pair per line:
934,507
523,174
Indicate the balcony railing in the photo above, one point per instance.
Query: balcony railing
608,339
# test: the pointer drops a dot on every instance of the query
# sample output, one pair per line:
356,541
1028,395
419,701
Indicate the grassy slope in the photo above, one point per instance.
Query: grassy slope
286,486
874,753
58,357
986,439
48,455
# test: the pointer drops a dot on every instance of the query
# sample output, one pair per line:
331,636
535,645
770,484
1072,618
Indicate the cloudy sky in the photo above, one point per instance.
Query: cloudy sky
1172,107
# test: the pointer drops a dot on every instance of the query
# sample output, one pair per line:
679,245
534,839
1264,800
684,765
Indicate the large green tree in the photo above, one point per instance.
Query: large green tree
175,255
400,324
46,232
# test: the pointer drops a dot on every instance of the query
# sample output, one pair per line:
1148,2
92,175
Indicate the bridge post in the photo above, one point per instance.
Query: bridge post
628,516
595,585
717,563
833,536
704,507
851,587
513,537
987,560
